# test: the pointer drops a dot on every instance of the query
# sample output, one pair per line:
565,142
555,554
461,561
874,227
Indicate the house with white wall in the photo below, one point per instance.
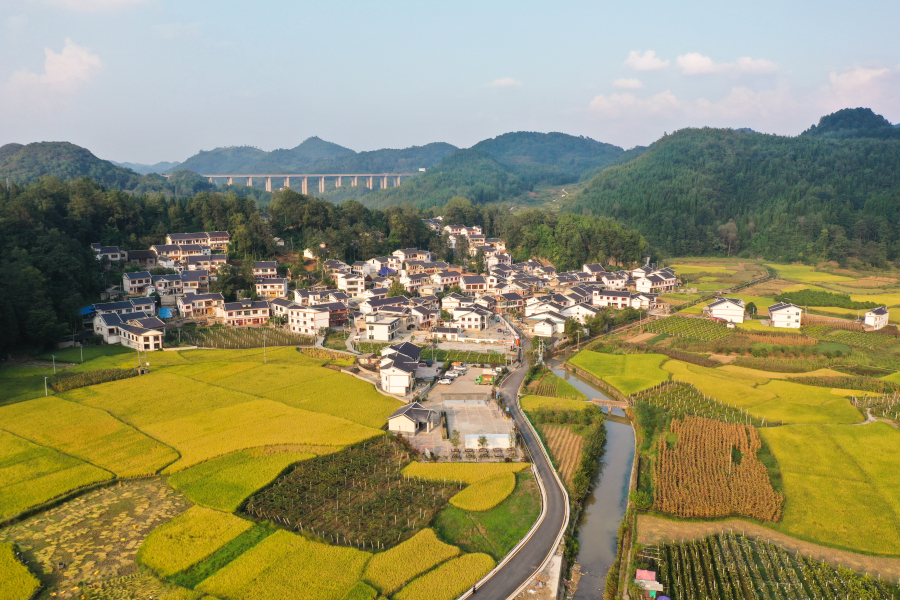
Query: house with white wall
785,315
877,317
730,310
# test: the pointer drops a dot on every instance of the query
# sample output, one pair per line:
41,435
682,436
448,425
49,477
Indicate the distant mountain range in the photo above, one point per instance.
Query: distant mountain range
315,155
160,167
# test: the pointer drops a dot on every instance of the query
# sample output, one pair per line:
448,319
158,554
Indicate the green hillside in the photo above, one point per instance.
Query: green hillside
791,198
299,159
22,164
504,168
853,123
235,159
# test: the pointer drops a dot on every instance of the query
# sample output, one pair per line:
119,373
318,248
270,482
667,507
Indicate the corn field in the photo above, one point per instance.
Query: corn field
712,471
682,400
831,322
735,567
879,406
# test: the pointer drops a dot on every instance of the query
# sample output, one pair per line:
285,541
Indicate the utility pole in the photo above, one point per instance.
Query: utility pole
46,393
82,353
54,363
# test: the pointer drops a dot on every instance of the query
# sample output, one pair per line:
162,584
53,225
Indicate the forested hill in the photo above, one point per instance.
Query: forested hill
505,168
854,123
24,163
701,191
315,155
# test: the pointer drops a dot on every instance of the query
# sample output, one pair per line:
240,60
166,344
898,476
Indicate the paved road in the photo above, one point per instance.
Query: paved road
522,566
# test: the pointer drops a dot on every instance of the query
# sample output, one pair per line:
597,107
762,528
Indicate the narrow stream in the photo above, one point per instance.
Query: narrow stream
605,506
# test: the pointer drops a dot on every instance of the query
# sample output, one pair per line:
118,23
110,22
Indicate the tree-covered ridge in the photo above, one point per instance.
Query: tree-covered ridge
24,163
853,122
504,168
702,191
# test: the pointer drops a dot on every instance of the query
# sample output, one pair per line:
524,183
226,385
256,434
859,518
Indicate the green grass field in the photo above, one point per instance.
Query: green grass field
74,355
23,383
841,484
628,373
495,531
773,400
224,482
530,403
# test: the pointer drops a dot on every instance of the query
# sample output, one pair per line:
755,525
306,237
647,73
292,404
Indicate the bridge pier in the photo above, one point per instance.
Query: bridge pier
369,183
268,184
337,182
249,182
384,182
397,181
287,182
354,184
210,180
231,181
304,189
322,184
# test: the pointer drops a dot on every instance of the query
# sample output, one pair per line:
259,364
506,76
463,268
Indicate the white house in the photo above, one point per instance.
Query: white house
877,317
354,285
308,319
134,283
785,315
398,366
580,312
471,318
411,419
730,310
383,329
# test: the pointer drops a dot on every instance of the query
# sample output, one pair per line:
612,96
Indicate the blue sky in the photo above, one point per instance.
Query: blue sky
152,80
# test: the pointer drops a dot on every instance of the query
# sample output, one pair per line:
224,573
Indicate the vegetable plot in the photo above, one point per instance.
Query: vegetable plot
689,327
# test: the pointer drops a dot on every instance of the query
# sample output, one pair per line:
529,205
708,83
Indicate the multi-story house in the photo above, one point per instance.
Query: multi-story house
195,282
207,262
136,283
168,285
200,305
265,269
308,320
473,284
146,258
877,317
785,315
245,312
271,288
354,285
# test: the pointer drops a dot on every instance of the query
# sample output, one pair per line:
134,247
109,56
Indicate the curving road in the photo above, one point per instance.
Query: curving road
519,570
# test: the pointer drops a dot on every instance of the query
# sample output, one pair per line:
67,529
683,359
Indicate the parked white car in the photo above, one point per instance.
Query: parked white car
451,375
445,381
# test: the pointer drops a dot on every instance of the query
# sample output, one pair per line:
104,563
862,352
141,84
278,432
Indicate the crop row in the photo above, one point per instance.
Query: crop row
871,341
237,337
689,327
713,471
682,399
731,567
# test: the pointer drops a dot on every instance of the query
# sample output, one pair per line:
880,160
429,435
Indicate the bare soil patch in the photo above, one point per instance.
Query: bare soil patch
654,530
94,537
642,337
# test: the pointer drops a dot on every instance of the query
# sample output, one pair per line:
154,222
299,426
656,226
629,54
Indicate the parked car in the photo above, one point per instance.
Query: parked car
462,368
421,364
429,362
445,381
451,374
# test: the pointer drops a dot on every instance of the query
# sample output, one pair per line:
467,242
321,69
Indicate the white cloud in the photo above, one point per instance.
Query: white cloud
874,88
95,5
504,82
645,62
618,105
64,73
628,84
694,63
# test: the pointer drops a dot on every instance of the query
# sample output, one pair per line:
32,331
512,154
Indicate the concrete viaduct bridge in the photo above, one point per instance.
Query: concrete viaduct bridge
369,179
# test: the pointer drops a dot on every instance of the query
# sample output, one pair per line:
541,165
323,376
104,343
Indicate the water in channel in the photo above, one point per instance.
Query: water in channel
605,505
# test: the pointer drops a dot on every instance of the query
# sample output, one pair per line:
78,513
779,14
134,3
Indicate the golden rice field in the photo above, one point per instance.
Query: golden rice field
531,403
806,274
87,433
285,565
388,571
485,494
448,580
31,474
361,591
195,405
764,398
841,484
16,581
224,482
462,472
628,373
189,538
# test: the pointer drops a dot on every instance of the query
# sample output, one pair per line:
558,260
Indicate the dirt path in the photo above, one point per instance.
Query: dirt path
653,530
94,537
